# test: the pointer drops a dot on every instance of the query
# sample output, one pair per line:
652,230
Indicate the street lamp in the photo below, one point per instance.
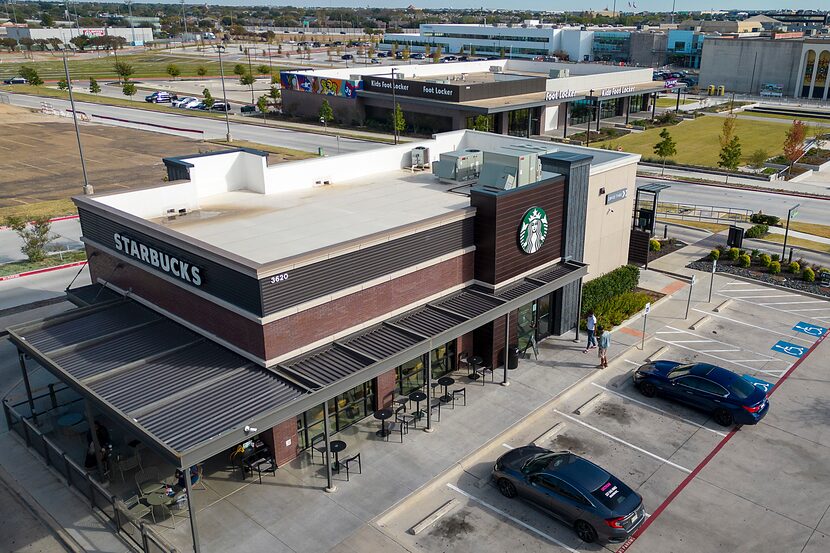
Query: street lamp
184,20
591,112
132,23
791,214
87,187
221,48
394,109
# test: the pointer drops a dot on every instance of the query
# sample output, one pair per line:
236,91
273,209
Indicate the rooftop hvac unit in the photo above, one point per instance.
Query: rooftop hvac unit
526,166
559,73
459,166
497,176
420,156
496,69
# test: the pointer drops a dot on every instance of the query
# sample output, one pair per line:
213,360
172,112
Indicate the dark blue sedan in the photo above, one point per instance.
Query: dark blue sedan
730,398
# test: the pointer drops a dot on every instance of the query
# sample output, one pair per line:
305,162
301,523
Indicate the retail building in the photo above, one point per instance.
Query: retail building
137,35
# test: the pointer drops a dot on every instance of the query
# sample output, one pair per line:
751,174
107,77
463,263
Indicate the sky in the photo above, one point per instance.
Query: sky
554,5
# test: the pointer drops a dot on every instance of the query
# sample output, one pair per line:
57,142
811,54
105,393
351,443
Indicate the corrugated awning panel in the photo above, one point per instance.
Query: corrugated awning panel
516,291
382,342
557,272
100,323
91,294
429,321
151,382
127,348
468,304
218,408
326,366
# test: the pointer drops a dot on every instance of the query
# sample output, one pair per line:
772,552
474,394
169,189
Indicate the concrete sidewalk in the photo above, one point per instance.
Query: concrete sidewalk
672,173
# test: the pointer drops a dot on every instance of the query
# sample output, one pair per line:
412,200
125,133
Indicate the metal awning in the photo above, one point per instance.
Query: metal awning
190,398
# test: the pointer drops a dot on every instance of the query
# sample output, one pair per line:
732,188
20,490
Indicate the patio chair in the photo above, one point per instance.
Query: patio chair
350,461
459,392
484,370
145,478
435,404
401,402
406,418
318,443
266,464
397,426
463,361
138,510
200,478
434,387
124,464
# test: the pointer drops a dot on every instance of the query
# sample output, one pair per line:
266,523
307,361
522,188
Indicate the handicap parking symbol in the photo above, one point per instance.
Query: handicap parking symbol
812,330
758,383
790,349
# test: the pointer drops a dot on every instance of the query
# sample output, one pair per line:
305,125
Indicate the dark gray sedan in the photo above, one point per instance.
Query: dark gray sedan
574,490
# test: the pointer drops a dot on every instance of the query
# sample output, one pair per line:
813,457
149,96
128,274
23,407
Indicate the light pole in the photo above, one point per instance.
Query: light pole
394,110
87,187
221,48
184,20
791,214
132,23
591,112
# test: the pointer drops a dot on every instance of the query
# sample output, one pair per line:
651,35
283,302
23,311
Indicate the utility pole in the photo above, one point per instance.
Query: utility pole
132,23
394,109
87,187
221,48
250,73
184,20
791,214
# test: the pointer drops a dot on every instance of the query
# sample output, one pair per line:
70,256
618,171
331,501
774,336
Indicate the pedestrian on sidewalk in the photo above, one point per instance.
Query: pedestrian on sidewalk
604,343
591,326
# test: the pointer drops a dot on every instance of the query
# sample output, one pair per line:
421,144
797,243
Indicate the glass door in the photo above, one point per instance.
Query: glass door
543,328
526,325
411,376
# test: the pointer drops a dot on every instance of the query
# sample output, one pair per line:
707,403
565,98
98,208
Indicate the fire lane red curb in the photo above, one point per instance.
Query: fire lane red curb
673,495
44,270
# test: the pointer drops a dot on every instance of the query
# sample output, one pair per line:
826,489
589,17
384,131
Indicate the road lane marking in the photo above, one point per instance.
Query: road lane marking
788,334
511,518
508,446
653,408
620,440
721,358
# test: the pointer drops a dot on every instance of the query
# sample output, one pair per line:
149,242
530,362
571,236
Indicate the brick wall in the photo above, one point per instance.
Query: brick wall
276,438
385,389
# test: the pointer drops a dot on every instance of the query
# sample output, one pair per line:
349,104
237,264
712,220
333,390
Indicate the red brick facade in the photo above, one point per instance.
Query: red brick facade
385,389
275,438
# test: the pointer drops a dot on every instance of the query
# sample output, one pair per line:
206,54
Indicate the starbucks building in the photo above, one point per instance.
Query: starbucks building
284,299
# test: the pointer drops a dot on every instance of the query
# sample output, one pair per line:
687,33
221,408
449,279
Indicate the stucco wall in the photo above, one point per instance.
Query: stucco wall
730,62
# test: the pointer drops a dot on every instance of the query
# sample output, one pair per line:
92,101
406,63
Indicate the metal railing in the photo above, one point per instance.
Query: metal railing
709,213
101,501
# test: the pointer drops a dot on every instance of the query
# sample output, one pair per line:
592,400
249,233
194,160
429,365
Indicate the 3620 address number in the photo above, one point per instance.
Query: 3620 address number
282,277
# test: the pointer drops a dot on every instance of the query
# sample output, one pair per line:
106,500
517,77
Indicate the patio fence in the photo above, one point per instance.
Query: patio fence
101,501
703,213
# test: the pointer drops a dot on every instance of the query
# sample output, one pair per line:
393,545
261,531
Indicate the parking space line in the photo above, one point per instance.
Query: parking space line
761,297
768,357
620,440
718,350
750,290
748,367
511,518
669,332
508,446
767,307
632,362
653,408
788,334
794,302
816,309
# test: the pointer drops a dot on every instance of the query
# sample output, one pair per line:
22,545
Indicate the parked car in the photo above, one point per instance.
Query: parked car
399,55
198,105
158,97
250,108
447,59
190,103
179,102
16,80
572,489
418,56
220,106
375,60
347,57
383,54
731,398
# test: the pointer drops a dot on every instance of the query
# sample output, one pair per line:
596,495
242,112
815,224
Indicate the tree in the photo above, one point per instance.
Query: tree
62,85
201,70
263,69
275,95
128,89
207,98
666,148
35,234
794,142
27,42
247,79
262,105
30,74
173,70
8,43
81,41
730,155
239,70
326,113
94,87
481,123
398,120
758,158
123,70
727,131
47,20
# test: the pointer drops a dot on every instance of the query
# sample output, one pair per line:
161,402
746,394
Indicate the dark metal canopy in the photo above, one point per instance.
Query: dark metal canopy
190,398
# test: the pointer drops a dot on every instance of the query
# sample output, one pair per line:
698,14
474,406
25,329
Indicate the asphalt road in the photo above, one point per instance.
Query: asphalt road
211,128
67,236
20,291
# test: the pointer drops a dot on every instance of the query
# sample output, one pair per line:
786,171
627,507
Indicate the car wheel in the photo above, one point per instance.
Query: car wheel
647,389
724,417
585,531
507,488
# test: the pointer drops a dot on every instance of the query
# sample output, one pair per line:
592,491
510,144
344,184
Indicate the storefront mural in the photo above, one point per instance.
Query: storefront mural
319,85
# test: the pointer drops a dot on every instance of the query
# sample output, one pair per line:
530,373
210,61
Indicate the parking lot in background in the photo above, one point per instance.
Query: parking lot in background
764,490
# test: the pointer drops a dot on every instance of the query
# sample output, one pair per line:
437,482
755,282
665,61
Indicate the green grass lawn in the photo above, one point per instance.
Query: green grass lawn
16,267
145,65
671,102
697,140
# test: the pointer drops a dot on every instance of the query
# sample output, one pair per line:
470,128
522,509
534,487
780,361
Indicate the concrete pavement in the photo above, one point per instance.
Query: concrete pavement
67,237
813,187
21,291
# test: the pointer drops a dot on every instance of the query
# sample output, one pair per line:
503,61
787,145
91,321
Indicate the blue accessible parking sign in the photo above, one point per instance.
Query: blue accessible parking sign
758,383
812,330
790,349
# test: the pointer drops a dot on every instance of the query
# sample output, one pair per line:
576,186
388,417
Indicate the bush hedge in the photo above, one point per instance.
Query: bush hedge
761,219
744,260
756,231
775,257
764,259
615,310
775,267
714,255
601,289
653,245
794,267
809,274
733,254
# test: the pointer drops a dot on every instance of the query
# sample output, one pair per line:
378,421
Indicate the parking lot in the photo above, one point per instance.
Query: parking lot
706,488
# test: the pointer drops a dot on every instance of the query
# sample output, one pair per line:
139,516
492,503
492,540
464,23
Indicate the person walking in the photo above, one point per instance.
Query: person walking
604,343
591,326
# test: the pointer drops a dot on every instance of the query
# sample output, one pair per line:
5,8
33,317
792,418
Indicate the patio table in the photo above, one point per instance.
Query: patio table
475,361
446,381
151,487
382,415
336,446
418,396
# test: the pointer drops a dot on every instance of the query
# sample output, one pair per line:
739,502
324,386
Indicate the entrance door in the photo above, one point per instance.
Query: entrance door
526,325
543,326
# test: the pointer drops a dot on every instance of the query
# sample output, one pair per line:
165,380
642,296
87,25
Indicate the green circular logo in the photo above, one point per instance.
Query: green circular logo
533,230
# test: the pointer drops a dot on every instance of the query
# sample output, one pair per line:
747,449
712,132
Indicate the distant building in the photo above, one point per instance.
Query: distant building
136,21
684,48
141,34
754,24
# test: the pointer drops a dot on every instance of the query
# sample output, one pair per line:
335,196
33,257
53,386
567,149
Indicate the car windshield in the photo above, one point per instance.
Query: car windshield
680,370
742,388
612,493
538,463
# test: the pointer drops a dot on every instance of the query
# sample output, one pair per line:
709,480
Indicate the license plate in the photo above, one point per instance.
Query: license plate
634,518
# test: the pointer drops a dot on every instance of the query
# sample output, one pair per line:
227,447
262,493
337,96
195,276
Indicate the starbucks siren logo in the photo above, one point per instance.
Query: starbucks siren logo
534,229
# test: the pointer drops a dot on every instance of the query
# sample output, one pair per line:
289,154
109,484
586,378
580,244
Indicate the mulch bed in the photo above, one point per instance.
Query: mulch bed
786,280
666,247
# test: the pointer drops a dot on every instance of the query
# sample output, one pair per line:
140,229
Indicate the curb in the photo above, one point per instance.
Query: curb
749,187
52,220
44,270
40,513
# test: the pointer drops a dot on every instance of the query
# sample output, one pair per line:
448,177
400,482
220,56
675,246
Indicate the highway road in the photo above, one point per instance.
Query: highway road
212,128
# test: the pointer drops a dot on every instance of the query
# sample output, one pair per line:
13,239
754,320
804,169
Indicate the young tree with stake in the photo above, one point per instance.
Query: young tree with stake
666,148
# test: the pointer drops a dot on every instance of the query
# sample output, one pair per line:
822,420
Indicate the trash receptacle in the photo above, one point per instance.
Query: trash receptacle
512,357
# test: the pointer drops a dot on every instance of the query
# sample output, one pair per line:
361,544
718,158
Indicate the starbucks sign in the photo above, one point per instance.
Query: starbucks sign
533,230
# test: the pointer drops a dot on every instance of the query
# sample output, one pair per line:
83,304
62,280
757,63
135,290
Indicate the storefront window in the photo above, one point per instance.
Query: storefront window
821,74
580,112
484,123
443,360
344,410
411,376
526,325
518,122
635,104
808,73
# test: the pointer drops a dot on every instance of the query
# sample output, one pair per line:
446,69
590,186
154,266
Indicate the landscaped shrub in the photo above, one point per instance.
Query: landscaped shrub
755,253
756,231
809,275
744,261
617,282
721,248
775,257
794,267
733,254
653,245
775,267
614,311
714,255
764,260
761,219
